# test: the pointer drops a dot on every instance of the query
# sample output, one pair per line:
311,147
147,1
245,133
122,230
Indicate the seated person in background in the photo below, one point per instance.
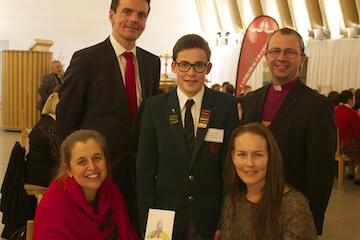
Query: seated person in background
348,122
247,89
82,202
229,89
334,97
240,105
216,87
224,86
260,205
357,101
42,159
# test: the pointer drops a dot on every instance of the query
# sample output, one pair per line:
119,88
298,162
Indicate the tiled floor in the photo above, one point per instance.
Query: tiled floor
342,220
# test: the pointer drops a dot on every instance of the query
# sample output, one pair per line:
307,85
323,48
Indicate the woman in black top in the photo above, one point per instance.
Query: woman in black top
42,158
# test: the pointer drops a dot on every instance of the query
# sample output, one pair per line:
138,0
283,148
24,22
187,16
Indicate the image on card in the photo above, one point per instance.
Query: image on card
160,224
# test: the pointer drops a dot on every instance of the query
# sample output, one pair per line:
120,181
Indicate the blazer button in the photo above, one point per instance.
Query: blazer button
191,178
190,198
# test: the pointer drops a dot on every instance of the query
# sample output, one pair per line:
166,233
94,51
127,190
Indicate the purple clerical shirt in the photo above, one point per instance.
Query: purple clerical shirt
274,99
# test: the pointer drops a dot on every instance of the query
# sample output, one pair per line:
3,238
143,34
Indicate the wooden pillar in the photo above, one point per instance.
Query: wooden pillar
22,73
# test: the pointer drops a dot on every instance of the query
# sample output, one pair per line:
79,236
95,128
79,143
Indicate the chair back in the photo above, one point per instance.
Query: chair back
341,159
338,153
29,229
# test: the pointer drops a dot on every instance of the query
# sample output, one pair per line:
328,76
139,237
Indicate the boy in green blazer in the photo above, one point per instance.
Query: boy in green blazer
183,145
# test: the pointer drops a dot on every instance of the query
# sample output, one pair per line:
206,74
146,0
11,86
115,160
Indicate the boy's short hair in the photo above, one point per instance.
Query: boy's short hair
191,41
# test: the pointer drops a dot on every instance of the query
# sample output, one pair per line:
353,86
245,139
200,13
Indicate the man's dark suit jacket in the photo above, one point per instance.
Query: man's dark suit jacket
305,130
47,86
167,178
93,96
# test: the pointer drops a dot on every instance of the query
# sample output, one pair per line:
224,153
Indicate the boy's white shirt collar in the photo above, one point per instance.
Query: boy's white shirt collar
183,98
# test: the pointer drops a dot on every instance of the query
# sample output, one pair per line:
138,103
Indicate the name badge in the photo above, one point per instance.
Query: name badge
214,135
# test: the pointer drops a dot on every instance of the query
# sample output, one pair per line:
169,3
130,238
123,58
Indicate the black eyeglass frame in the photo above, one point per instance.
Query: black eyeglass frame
189,66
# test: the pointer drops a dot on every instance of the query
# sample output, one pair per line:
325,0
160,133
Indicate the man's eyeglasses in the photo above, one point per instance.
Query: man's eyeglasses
288,53
198,67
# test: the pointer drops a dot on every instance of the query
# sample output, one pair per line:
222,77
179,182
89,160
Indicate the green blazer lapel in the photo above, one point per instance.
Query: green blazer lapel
174,118
205,120
287,105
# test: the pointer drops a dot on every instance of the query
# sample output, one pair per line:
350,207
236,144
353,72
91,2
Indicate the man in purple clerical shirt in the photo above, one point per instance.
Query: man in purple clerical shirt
300,119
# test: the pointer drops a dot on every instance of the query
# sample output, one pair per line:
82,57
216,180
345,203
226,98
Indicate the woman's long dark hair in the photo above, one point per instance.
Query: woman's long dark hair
266,218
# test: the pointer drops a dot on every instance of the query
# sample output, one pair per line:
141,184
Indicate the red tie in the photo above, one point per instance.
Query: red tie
130,83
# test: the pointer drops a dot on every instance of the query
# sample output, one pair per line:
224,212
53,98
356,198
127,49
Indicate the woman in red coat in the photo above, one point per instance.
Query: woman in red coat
348,123
82,202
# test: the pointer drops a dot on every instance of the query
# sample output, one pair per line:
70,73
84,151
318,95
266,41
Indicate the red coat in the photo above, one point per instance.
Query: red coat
64,213
348,123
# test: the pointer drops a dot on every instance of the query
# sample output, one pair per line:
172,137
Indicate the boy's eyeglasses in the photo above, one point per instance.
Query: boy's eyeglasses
185,66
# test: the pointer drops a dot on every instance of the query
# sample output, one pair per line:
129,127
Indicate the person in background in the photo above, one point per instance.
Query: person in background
357,101
229,89
104,88
82,202
301,120
247,89
240,105
348,123
334,97
42,158
260,205
183,145
216,87
224,86
49,82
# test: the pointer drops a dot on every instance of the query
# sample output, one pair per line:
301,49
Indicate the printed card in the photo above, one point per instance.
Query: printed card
160,224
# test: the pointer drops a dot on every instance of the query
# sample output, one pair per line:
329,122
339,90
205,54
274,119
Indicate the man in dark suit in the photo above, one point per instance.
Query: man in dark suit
49,82
301,120
96,93
183,144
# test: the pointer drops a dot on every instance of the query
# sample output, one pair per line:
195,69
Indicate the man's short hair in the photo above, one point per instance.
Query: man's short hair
55,61
191,41
288,31
115,4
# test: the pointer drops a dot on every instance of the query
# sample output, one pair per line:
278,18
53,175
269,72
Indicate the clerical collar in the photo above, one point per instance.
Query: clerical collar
286,86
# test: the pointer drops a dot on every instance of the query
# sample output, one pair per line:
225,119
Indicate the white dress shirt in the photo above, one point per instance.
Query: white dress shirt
195,108
119,50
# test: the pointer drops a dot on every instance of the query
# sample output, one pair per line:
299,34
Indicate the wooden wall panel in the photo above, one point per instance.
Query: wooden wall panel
22,73
349,12
315,15
285,15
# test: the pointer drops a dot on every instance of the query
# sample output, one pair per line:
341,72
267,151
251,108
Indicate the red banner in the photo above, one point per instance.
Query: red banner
253,48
